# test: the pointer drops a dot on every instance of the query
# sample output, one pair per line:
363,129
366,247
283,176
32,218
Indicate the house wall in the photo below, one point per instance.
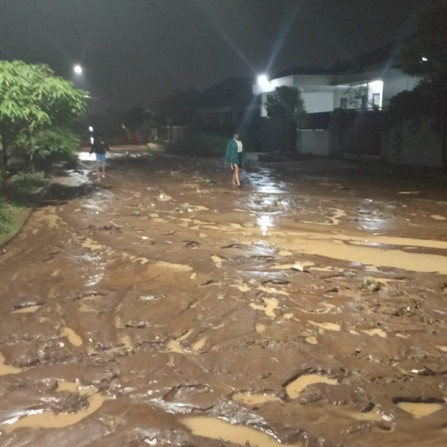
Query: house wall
323,93
316,102
420,147
313,142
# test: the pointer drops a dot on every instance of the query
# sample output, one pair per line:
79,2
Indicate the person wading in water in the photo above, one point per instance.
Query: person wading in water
99,147
233,155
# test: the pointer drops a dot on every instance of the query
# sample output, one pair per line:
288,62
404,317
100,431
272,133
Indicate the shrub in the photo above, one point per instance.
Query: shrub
51,146
200,144
5,216
24,186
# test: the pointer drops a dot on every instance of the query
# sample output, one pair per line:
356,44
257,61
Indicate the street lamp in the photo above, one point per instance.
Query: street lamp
264,84
77,69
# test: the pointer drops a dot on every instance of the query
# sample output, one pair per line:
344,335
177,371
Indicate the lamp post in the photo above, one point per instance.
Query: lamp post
77,69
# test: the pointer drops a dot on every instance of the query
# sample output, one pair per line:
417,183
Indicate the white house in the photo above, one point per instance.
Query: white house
369,81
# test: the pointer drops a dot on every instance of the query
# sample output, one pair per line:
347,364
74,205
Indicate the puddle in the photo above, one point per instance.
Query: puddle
6,369
175,346
255,399
311,340
48,419
438,217
344,247
126,341
84,307
162,265
92,245
199,344
218,429
273,291
260,328
269,309
327,326
294,388
373,415
379,332
243,288
285,253
419,409
72,336
52,220
442,348
217,260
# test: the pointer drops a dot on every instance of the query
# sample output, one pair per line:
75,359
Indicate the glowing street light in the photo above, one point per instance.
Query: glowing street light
265,85
424,59
78,69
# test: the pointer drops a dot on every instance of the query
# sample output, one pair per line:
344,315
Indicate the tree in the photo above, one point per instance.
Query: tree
32,100
424,55
132,122
286,107
179,107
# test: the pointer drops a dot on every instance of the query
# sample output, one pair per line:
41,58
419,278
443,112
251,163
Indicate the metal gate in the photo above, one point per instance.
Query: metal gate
356,132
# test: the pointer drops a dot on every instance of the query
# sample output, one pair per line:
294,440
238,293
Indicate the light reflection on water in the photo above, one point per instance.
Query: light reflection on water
265,222
86,156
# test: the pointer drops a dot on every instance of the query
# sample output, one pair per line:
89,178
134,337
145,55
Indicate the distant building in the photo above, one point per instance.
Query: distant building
366,82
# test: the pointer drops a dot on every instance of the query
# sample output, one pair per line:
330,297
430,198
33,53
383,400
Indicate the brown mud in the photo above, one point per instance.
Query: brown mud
161,306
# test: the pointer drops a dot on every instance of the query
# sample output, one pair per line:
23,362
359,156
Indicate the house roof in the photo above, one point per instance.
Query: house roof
295,70
379,58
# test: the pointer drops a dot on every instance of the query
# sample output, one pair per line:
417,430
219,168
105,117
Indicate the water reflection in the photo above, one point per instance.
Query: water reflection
265,222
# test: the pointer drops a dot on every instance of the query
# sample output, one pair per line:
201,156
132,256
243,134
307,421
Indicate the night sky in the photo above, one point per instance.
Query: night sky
137,51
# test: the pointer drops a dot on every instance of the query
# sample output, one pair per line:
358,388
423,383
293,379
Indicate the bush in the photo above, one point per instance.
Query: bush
25,186
201,144
6,210
50,146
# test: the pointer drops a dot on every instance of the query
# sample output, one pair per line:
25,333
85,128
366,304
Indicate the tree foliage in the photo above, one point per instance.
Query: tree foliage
286,103
179,107
34,100
286,106
424,55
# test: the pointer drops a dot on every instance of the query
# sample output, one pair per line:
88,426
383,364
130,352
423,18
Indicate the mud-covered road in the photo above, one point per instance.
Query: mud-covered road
164,307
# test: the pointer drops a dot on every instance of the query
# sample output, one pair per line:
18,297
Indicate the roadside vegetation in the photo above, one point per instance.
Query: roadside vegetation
37,113
199,144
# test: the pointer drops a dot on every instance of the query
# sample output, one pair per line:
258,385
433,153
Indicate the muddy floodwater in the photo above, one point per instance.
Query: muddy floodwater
164,307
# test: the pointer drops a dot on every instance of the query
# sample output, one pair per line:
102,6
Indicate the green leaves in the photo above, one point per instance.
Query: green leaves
33,99
286,103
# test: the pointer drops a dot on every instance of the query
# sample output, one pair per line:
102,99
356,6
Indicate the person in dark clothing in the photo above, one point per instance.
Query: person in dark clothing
99,147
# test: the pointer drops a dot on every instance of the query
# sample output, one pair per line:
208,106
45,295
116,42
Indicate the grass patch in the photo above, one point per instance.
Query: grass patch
12,218
22,192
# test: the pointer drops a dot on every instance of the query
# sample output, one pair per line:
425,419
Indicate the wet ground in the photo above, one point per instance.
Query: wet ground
163,307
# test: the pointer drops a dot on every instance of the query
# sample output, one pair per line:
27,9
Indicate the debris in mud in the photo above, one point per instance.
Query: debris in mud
107,227
71,403
207,283
191,244
371,284
164,197
136,324
27,304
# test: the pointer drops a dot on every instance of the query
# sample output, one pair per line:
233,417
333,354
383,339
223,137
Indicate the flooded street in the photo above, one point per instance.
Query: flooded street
164,307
